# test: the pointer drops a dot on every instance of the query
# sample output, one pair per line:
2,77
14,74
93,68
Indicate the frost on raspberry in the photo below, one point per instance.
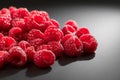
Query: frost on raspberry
68,29
72,23
16,33
81,31
17,56
44,58
3,58
53,34
56,48
89,43
73,47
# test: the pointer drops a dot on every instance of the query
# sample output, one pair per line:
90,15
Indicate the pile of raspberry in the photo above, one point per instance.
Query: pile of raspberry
32,36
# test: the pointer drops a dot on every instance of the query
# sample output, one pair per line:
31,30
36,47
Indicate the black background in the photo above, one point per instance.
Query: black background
102,17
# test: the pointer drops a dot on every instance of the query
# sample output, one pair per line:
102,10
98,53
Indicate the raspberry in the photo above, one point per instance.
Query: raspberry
2,44
17,22
73,47
3,58
68,29
5,11
37,42
53,34
35,21
44,14
56,48
34,34
16,33
44,58
72,23
30,51
81,31
5,20
55,22
9,42
89,43
66,37
24,44
12,10
21,13
17,56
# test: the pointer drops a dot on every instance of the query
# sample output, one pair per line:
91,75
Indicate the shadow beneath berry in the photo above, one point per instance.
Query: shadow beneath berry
8,71
64,60
33,71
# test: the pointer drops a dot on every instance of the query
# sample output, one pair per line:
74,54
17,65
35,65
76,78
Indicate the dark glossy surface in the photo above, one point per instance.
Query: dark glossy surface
104,23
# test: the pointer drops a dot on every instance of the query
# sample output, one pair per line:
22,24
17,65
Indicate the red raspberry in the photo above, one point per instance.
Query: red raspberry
44,58
12,10
53,34
2,44
34,34
72,23
16,33
68,29
5,22
30,51
44,46
66,37
73,47
56,48
35,21
81,31
44,14
21,13
89,43
24,44
17,22
3,58
9,42
37,42
55,22
17,56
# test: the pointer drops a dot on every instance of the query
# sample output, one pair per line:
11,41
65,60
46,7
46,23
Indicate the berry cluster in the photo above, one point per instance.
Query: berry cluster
32,36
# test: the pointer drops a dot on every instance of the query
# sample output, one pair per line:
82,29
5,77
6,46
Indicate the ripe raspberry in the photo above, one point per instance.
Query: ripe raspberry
44,46
34,34
73,47
16,33
66,37
2,44
12,10
24,44
44,58
44,14
53,34
5,22
35,21
37,42
17,22
72,23
5,11
89,43
9,42
56,48
55,22
17,56
21,13
30,51
3,58
81,31
68,29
